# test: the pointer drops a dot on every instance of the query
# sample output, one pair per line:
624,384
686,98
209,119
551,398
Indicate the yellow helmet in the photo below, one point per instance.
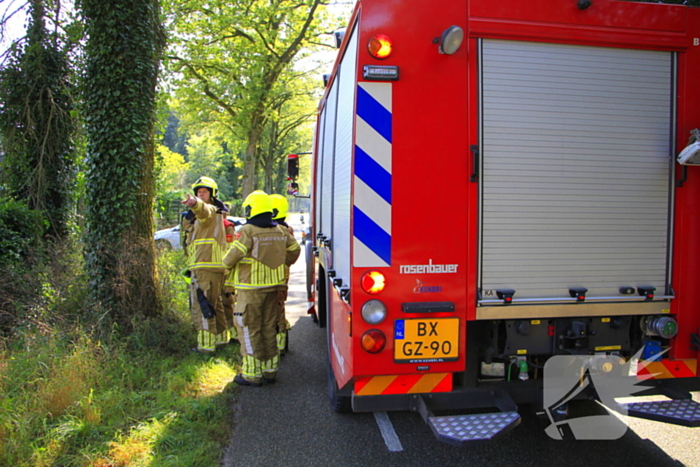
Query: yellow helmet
206,182
256,203
280,206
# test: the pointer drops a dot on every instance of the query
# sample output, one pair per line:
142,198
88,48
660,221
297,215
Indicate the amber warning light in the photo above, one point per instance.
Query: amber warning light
380,46
373,282
373,341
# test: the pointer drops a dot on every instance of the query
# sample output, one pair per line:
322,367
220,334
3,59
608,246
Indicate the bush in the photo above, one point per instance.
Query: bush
21,230
168,208
21,253
134,398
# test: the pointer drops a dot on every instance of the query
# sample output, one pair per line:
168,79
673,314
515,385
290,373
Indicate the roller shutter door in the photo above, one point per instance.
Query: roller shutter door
328,156
576,168
342,200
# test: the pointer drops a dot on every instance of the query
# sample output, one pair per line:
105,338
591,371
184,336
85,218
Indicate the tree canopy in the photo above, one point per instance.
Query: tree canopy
232,66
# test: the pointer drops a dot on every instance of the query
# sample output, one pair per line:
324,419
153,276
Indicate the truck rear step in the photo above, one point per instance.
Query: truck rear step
464,429
684,412
460,429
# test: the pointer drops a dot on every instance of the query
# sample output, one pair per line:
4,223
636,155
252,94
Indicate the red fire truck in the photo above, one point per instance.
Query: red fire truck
496,183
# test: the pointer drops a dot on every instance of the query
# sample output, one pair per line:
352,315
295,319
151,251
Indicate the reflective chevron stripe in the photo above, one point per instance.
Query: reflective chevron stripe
666,369
373,179
403,384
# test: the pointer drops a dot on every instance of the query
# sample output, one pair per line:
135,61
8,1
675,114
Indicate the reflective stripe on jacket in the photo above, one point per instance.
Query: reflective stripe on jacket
260,256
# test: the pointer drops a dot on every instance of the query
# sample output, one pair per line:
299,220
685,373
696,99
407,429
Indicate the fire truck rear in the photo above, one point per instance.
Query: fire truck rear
498,184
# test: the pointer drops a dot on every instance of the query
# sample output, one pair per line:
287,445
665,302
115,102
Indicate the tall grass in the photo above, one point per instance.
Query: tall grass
143,399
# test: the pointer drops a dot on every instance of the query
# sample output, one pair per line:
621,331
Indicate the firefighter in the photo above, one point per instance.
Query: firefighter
280,206
207,245
259,256
228,292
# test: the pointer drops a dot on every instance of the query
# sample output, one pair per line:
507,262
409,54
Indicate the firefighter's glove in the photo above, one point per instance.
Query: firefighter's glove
208,310
186,275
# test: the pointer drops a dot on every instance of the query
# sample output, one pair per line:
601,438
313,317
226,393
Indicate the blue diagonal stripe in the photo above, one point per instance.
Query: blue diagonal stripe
373,236
373,174
374,113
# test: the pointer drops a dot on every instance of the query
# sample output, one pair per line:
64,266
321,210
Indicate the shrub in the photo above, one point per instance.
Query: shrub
21,230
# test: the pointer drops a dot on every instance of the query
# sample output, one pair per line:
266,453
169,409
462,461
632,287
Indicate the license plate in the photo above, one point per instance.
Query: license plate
426,340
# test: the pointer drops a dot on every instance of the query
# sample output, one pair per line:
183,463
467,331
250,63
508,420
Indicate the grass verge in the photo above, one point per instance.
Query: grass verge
138,400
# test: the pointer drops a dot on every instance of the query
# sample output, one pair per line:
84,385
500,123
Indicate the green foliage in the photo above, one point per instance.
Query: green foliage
170,189
38,131
173,138
135,399
288,129
208,155
44,288
121,72
233,66
21,230
71,401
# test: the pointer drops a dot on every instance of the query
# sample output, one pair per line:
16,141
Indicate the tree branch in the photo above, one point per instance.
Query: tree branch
207,89
236,33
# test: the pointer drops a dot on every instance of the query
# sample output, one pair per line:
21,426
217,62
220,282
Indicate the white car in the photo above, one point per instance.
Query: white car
170,237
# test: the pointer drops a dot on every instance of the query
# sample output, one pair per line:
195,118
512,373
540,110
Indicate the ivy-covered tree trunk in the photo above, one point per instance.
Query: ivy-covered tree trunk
36,123
124,44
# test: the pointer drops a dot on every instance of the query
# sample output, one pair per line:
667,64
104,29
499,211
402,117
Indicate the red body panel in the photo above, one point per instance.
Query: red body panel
424,226
686,258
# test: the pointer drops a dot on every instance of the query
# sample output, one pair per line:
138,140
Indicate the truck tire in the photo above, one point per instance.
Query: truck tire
339,404
321,300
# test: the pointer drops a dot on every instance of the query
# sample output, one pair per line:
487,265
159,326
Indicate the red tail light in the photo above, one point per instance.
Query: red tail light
373,282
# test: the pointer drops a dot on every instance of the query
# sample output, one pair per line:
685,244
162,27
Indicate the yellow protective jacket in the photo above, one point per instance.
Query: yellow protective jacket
260,255
207,244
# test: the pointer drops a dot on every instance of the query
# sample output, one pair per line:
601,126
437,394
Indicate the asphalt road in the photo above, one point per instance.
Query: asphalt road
291,423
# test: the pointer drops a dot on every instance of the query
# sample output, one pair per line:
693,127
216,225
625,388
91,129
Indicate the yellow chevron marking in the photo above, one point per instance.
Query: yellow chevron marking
376,385
427,383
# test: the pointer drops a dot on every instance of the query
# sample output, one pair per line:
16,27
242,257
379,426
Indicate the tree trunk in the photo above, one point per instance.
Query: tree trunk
122,57
249,168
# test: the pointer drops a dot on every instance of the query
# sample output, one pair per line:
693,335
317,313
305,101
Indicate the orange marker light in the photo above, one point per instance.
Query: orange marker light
380,46
373,341
373,282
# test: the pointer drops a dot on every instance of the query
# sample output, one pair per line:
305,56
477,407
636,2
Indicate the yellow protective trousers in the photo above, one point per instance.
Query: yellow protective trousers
255,316
209,285
228,299
282,323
